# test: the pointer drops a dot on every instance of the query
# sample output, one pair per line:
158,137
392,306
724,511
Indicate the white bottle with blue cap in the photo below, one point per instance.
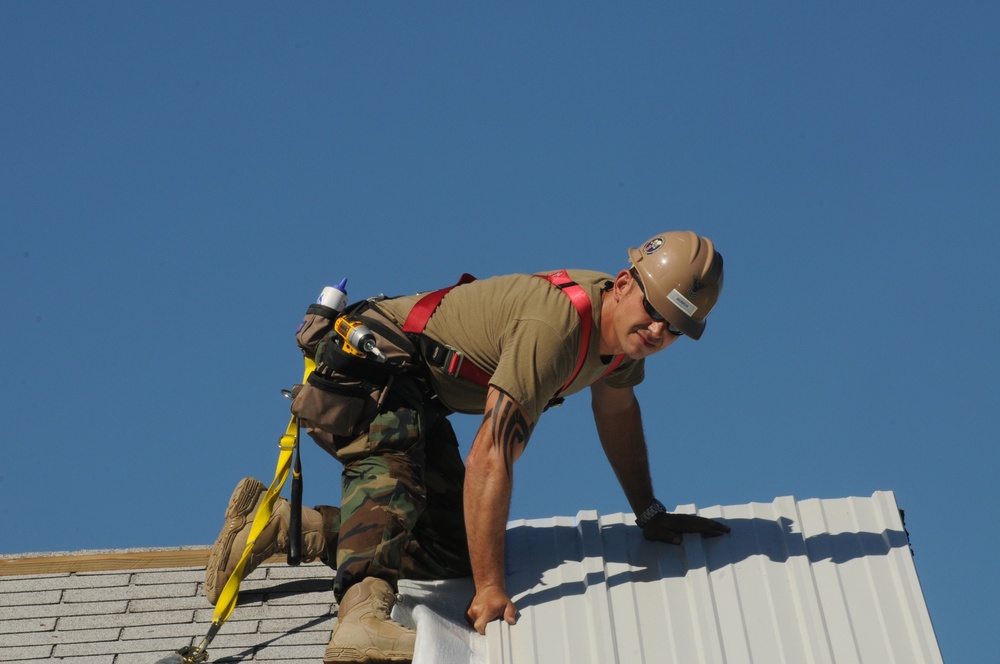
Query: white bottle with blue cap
334,297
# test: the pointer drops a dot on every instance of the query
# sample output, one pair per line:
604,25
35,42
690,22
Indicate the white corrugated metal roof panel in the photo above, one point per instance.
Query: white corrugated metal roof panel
802,582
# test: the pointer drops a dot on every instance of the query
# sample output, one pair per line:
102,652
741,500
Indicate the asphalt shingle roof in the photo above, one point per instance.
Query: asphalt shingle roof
138,616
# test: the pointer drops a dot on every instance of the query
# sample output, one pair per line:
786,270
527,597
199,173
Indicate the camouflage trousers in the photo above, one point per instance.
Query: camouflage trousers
401,513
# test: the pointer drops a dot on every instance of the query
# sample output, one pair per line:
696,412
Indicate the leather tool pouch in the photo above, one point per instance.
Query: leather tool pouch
345,392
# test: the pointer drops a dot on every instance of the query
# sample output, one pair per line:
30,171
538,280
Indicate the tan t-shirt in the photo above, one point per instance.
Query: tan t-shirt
523,331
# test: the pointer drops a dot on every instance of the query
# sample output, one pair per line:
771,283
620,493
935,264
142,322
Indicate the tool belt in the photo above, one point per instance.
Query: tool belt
344,392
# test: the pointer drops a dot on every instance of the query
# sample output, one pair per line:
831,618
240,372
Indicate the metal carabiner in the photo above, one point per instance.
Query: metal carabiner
186,655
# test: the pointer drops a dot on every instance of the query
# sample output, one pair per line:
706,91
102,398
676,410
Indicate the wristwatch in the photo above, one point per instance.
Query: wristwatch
656,507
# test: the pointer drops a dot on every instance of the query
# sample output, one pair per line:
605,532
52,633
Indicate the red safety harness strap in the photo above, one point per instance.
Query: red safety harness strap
449,359
416,321
581,301
453,362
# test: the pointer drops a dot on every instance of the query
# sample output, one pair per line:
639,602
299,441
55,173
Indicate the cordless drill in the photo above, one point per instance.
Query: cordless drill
358,339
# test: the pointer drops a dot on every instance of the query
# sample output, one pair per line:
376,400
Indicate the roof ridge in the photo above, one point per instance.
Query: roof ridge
106,560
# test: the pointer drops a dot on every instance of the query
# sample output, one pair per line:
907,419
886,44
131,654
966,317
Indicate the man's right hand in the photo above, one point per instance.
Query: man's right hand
667,527
489,604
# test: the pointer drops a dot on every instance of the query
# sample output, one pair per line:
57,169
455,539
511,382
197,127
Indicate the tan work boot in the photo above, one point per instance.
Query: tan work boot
364,631
272,540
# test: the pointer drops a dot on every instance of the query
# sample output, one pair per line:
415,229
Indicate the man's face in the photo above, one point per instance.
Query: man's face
638,334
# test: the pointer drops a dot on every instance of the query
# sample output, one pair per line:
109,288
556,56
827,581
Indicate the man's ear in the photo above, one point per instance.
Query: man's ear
622,284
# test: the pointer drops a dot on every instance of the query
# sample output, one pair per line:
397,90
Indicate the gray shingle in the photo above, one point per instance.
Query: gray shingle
122,619
64,609
25,653
184,631
303,610
30,598
52,637
193,602
322,624
20,584
10,626
311,654
161,590
168,577
147,646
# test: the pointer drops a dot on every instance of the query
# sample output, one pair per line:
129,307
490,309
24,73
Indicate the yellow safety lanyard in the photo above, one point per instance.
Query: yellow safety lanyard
230,592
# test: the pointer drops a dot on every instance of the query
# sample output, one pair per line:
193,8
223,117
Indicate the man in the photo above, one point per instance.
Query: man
505,347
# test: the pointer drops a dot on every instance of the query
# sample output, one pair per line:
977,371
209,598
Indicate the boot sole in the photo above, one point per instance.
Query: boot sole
241,504
372,656
244,497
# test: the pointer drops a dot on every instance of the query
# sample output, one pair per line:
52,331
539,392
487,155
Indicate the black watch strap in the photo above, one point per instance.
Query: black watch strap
656,507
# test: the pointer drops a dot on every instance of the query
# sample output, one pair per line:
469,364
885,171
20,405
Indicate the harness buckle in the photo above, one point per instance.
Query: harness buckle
453,359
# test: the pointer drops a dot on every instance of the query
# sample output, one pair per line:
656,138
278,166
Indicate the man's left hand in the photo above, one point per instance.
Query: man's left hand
490,603
666,527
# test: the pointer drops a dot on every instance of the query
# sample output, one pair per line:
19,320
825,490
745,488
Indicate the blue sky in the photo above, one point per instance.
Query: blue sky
179,180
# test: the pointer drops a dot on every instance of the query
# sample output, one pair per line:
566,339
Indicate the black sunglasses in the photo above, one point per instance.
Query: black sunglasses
653,313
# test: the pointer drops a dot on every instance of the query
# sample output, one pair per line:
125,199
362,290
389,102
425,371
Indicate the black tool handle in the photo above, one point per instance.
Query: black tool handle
295,519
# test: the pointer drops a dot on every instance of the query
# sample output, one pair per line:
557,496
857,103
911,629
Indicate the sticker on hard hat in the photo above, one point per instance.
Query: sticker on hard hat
652,245
682,302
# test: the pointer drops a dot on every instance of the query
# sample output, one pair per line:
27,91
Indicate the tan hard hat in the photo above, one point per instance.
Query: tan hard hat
681,273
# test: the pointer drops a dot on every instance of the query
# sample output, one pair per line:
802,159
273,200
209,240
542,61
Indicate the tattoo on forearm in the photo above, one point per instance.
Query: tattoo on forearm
510,428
